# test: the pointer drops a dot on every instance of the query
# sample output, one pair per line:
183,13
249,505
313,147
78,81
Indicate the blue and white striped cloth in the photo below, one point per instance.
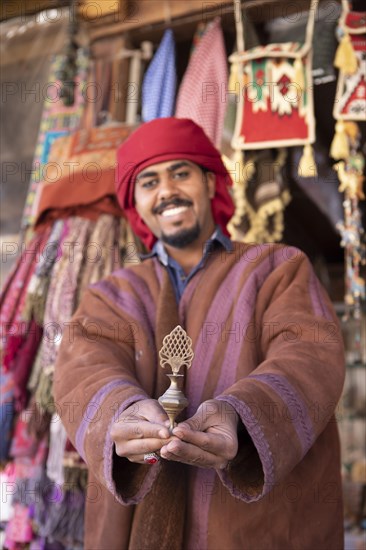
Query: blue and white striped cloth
160,81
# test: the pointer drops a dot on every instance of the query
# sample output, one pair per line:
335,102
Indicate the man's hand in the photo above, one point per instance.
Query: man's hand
208,439
141,428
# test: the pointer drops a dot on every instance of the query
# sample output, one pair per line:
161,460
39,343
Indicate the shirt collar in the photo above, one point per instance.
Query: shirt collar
217,238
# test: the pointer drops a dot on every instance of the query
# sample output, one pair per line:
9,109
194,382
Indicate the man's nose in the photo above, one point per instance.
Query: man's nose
167,188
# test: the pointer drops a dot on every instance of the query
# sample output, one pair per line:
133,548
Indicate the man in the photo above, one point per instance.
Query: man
255,464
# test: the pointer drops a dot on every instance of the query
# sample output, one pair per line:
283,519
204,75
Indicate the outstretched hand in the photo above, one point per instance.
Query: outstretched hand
208,439
140,429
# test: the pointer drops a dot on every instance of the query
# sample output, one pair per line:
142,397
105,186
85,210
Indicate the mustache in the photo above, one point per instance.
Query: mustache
173,202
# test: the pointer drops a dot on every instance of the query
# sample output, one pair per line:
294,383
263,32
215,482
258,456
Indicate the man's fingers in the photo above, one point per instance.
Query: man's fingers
190,454
138,429
135,447
216,444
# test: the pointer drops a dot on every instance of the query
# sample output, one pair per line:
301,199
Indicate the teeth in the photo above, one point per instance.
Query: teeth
173,211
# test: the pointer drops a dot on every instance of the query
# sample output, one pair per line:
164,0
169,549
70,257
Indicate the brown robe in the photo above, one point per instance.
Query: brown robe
267,341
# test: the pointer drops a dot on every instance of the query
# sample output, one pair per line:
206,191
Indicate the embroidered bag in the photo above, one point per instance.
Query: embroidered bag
275,106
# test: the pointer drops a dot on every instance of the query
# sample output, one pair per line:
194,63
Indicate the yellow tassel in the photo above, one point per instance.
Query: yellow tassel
233,85
339,148
299,73
352,131
307,166
345,57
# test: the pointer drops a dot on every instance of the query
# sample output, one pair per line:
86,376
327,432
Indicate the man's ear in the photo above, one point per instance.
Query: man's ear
211,184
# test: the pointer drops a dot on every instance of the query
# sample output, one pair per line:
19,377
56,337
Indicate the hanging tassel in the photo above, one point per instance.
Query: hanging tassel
339,148
352,131
345,57
234,79
299,74
307,166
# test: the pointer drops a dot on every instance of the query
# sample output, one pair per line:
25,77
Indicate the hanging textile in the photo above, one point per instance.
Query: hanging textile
275,103
201,93
57,120
160,81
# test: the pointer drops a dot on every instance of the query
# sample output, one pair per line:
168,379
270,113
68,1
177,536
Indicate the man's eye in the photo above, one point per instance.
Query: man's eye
181,174
148,184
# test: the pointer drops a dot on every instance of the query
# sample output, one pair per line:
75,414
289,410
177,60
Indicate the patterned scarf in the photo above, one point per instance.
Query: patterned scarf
39,283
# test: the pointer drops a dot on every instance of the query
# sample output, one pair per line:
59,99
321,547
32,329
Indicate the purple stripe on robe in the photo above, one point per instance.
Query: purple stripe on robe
96,401
152,471
244,309
299,417
127,303
204,352
319,306
143,292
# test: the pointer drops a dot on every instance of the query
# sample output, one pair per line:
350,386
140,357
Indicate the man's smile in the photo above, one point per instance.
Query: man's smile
173,211
172,207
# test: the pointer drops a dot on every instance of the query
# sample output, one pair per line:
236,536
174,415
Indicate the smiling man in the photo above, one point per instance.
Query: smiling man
254,464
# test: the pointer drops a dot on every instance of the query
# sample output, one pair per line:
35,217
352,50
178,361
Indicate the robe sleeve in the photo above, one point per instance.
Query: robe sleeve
95,381
289,399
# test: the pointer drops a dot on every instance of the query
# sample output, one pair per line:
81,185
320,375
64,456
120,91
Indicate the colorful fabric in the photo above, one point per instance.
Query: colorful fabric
205,80
38,286
274,88
86,197
6,412
162,140
12,301
160,82
61,295
23,362
102,253
275,105
251,315
57,120
86,151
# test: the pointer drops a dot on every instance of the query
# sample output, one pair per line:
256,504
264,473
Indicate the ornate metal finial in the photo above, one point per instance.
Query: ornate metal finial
176,352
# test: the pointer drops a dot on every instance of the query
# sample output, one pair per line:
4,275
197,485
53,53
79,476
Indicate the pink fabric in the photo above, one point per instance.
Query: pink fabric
202,94
13,300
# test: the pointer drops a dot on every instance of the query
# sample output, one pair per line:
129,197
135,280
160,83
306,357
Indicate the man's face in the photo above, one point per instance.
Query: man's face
174,200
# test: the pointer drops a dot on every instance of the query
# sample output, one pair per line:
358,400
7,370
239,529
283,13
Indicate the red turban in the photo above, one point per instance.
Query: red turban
161,140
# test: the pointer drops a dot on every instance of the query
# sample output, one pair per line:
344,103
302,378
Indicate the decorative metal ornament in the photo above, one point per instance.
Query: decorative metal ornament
176,352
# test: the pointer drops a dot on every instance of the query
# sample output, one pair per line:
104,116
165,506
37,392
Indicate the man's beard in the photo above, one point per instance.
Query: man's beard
182,238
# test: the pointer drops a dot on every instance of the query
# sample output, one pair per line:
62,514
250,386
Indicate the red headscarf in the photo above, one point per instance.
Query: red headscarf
161,140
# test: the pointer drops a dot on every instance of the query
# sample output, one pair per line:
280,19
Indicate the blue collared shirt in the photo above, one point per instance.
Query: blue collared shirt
177,275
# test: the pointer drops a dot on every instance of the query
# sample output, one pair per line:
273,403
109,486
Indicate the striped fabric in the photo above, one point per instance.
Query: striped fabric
200,94
159,85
